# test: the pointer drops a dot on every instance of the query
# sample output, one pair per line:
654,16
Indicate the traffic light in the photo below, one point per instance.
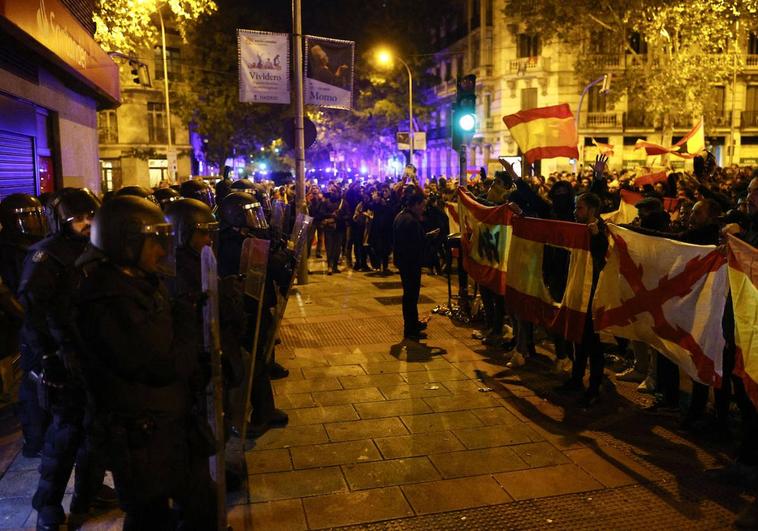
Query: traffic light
464,111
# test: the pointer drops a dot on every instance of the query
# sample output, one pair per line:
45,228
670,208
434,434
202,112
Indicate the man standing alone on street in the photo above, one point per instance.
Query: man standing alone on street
410,242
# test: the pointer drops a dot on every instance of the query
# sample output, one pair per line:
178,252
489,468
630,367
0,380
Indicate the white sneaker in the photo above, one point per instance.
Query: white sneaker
631,375
562,365
647,386
517,360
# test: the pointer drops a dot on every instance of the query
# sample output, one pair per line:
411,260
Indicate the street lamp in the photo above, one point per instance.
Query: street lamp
384,58
170,154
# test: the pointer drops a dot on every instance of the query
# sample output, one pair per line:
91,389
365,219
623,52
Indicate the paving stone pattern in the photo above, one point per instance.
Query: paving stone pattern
391,434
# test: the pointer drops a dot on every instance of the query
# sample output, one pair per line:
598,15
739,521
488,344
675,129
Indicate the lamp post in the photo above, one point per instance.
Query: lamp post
170,153
385,58
605,79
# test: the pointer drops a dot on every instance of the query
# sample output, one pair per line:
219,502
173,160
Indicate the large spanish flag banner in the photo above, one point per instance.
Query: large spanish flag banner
544,133
485,238
528,295
743,281
668,294
626,211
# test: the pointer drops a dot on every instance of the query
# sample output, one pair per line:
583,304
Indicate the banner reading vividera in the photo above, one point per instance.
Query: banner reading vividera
264,67
329,72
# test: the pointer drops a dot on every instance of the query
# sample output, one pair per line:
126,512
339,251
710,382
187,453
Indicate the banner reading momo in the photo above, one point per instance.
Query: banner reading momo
264,66
329,72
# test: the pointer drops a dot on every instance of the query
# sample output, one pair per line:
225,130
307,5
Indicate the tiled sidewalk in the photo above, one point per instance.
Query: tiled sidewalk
442,435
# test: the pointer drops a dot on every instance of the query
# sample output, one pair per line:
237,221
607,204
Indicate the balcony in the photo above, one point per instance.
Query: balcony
751,62
718,118
606,61
750,119
445,88
529,64
638,120
600,120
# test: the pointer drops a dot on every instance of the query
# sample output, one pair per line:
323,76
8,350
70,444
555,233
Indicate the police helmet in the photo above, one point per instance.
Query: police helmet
138,191
165,196
23,215
123,225
68,204
245,185
199,190
187,216
241,210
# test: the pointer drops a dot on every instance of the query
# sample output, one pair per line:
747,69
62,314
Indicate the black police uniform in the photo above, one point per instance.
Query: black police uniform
48,332
142,372
141,367
409,245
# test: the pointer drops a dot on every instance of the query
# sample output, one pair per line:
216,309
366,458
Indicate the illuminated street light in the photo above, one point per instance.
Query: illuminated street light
467,122
385,58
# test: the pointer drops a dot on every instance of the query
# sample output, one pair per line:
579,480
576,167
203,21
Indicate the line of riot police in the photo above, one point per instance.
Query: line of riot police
106,302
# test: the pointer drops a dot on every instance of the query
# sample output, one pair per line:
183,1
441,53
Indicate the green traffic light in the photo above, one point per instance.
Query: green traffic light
467,122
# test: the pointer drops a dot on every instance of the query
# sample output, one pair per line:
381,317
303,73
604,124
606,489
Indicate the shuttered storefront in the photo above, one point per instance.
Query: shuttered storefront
17,172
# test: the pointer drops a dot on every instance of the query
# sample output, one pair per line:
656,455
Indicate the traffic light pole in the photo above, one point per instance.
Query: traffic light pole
463,303
297,27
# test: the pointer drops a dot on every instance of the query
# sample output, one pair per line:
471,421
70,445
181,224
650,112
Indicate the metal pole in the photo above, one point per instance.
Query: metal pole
410,107
170,158
734,99
297,26
578,111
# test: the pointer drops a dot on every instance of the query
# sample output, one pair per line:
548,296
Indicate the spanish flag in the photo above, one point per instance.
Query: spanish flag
527,293
688,146
626,211
544,133
743,282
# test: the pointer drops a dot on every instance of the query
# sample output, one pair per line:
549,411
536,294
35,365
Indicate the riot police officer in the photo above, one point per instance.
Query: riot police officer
142,371
166,196
22,217
23,223
241,217
138,191
48,351
200,190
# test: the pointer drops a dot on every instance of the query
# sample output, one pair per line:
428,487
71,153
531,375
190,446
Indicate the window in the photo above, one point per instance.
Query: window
752,44
172,63
158,171
751,98
487,106
595,100
443,116
110,174
528,45
107,127
156,122
637,43
529,98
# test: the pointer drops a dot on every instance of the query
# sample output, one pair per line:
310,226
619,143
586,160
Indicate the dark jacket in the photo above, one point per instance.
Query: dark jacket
45,293
409,240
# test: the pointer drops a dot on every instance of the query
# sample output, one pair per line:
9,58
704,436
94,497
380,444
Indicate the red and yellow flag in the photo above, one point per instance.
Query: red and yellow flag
485,238
544,133
743,282
687,148
528,294
626,211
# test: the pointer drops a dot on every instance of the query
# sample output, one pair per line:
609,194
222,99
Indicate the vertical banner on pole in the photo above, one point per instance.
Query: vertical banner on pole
329,72
264,67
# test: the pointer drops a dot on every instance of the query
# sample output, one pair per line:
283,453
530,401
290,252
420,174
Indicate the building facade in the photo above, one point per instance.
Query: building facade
53,80
516,71
134,138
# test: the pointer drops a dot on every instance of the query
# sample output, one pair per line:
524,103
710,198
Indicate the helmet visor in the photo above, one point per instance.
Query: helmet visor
31,221
208,232
255,218
158,252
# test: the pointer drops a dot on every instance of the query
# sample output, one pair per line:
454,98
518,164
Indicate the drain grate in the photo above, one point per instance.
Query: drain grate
389,301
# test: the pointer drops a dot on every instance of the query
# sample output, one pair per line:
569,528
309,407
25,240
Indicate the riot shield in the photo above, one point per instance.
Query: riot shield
214,392
277,218
254,265
296,244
